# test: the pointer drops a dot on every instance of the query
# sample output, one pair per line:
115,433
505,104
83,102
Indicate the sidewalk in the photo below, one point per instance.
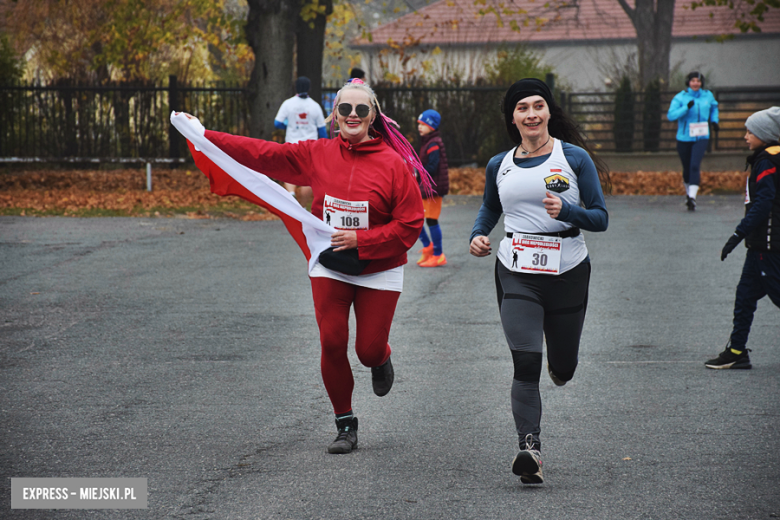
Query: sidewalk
186,352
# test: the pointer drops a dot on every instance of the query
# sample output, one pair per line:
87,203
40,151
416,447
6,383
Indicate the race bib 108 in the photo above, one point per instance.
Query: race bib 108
345,214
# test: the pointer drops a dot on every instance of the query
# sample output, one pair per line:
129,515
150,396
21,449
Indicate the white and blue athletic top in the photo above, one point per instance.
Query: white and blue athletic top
516,187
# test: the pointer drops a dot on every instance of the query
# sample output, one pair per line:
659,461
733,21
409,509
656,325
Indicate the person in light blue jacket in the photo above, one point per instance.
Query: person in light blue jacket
694,109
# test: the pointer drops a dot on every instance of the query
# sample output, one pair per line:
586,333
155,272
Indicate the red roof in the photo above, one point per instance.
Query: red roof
458,22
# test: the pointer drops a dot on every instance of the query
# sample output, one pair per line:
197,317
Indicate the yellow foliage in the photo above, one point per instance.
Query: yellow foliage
393,78
127,40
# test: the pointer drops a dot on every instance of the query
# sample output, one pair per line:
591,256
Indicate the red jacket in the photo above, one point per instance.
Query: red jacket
369,171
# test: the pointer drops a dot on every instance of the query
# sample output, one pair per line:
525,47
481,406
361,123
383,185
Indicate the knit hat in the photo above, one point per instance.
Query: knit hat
431,118
765,124
302,85
518,91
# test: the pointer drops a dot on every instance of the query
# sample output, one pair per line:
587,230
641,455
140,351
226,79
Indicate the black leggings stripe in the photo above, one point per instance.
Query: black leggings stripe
568,310
528,366
510,296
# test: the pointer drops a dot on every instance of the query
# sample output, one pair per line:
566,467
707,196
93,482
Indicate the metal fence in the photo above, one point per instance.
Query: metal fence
74,122
110,122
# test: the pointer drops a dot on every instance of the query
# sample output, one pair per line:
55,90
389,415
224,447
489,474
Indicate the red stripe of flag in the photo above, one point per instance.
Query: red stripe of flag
223,184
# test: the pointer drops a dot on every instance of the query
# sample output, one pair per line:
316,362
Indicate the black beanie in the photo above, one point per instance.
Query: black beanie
302,85
521,90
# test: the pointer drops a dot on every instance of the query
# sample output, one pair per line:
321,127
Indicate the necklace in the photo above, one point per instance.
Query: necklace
526,152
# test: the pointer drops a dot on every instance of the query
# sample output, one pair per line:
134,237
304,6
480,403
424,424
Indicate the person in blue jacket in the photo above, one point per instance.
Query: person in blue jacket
694,109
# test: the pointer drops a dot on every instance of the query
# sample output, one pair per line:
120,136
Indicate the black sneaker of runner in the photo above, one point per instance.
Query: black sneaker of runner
730,358
691,203
527,464
346,440
382,378
555,379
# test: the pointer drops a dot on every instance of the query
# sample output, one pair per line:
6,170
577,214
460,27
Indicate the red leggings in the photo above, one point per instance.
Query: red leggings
374,311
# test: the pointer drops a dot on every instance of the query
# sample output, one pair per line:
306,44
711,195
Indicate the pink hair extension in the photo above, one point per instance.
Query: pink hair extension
332,127
401,146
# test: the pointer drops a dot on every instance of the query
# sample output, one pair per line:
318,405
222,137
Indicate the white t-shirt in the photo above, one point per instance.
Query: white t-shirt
304,117
390,280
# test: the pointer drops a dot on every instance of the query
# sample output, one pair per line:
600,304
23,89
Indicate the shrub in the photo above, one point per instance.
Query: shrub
651,117
624,116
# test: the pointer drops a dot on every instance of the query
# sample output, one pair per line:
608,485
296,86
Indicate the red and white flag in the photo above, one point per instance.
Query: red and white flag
228,177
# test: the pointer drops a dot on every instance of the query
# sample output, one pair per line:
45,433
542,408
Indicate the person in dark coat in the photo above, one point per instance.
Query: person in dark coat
761,272
434,157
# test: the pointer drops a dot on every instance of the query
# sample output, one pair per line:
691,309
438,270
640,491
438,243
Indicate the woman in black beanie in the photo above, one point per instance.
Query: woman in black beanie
548,188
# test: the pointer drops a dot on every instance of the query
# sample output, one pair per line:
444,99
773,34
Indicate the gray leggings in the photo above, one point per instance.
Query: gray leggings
532,307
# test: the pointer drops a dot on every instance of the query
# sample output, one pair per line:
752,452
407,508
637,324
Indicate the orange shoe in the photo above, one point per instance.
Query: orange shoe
435,261
427,252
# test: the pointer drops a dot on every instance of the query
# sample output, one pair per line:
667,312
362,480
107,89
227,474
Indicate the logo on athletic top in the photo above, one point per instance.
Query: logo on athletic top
303,115
556,182
506,171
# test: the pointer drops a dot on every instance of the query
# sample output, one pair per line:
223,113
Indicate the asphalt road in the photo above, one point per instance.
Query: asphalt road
186,352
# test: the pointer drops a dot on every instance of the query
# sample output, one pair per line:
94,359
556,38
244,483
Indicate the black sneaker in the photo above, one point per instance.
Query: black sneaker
528,462
730,358
382,378
346,440
691,203
555,379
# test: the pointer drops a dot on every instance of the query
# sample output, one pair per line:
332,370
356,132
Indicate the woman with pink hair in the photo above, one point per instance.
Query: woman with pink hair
364,185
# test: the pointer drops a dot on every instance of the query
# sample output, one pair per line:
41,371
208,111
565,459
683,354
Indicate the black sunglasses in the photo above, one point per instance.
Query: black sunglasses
345,109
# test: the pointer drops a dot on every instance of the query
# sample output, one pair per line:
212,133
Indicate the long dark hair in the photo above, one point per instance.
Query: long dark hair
562,127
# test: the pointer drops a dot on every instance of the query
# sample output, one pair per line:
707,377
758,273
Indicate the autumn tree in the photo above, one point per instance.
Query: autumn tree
275,30
119,40
270,32
11,66
748,15
59,36
310,39
652,20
